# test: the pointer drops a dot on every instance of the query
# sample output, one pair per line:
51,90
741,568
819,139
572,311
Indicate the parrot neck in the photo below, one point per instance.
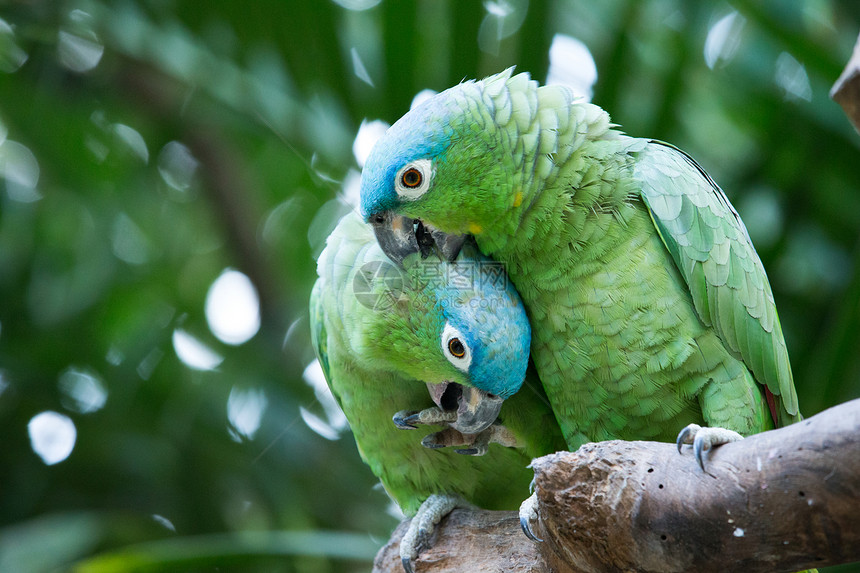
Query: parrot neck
574,208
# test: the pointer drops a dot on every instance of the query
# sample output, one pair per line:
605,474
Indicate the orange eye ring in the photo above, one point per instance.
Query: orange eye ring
456,348
411,178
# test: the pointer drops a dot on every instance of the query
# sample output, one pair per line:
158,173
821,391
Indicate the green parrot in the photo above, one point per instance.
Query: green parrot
650,308
441,337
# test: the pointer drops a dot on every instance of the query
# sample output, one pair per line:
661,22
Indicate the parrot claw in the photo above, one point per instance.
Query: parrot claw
423,526
433,442
410,419
703,439
476,450
528,514
403,419
684,436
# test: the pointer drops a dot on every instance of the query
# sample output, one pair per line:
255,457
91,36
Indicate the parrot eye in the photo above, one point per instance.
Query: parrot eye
456,349
413,179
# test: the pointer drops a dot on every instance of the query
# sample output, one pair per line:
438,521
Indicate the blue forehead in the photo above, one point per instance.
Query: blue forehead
422,133
493,319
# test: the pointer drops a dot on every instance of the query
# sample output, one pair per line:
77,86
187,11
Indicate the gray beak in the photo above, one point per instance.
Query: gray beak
429,238
395,235
400,236
476,409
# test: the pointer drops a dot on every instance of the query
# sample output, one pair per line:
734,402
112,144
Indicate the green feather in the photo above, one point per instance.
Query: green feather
362,352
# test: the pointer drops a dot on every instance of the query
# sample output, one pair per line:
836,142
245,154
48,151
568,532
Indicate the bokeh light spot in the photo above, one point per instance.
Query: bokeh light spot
503,19
194,353
571,64
245,408
359,69
368,133
335,419
421,97
164,522
233,308
19,167
357,5
52,436
177,165
12,57
791,76
78,47
132,139
82,391
723,39
129,242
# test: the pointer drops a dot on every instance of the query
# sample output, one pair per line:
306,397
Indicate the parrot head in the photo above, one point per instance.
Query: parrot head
485,336
462,328
443,164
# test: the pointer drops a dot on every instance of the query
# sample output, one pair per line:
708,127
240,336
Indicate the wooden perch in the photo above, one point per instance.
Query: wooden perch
846,90
469,540
783,500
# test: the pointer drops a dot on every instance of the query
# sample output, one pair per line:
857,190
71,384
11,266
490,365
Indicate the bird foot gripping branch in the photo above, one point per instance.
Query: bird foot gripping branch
424,524
703,439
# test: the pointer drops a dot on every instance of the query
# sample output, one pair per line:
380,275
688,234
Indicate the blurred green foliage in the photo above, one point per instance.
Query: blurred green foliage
148,146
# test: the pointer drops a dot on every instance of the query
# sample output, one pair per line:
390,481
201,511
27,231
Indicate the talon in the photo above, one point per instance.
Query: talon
410,419
403,419
528,530
699,448
472,451
686,435
528,513
431,443
704,439
407,564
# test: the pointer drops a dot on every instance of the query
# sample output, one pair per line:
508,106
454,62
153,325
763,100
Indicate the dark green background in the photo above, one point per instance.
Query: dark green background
265,96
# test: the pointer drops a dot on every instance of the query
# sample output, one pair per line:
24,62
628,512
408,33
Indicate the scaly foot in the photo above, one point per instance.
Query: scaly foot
478,444
703,439
423,525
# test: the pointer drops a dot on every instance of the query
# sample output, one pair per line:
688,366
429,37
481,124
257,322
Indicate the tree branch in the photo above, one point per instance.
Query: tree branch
783,500
469,540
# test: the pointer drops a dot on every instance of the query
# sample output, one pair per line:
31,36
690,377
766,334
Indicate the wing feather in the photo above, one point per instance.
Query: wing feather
711,247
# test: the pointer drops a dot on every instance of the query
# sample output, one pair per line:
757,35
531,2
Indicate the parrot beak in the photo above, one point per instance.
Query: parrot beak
395,235
476,409
400,236
428,237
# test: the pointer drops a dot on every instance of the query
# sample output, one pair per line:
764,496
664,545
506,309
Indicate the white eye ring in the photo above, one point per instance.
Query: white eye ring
413,179
462,360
